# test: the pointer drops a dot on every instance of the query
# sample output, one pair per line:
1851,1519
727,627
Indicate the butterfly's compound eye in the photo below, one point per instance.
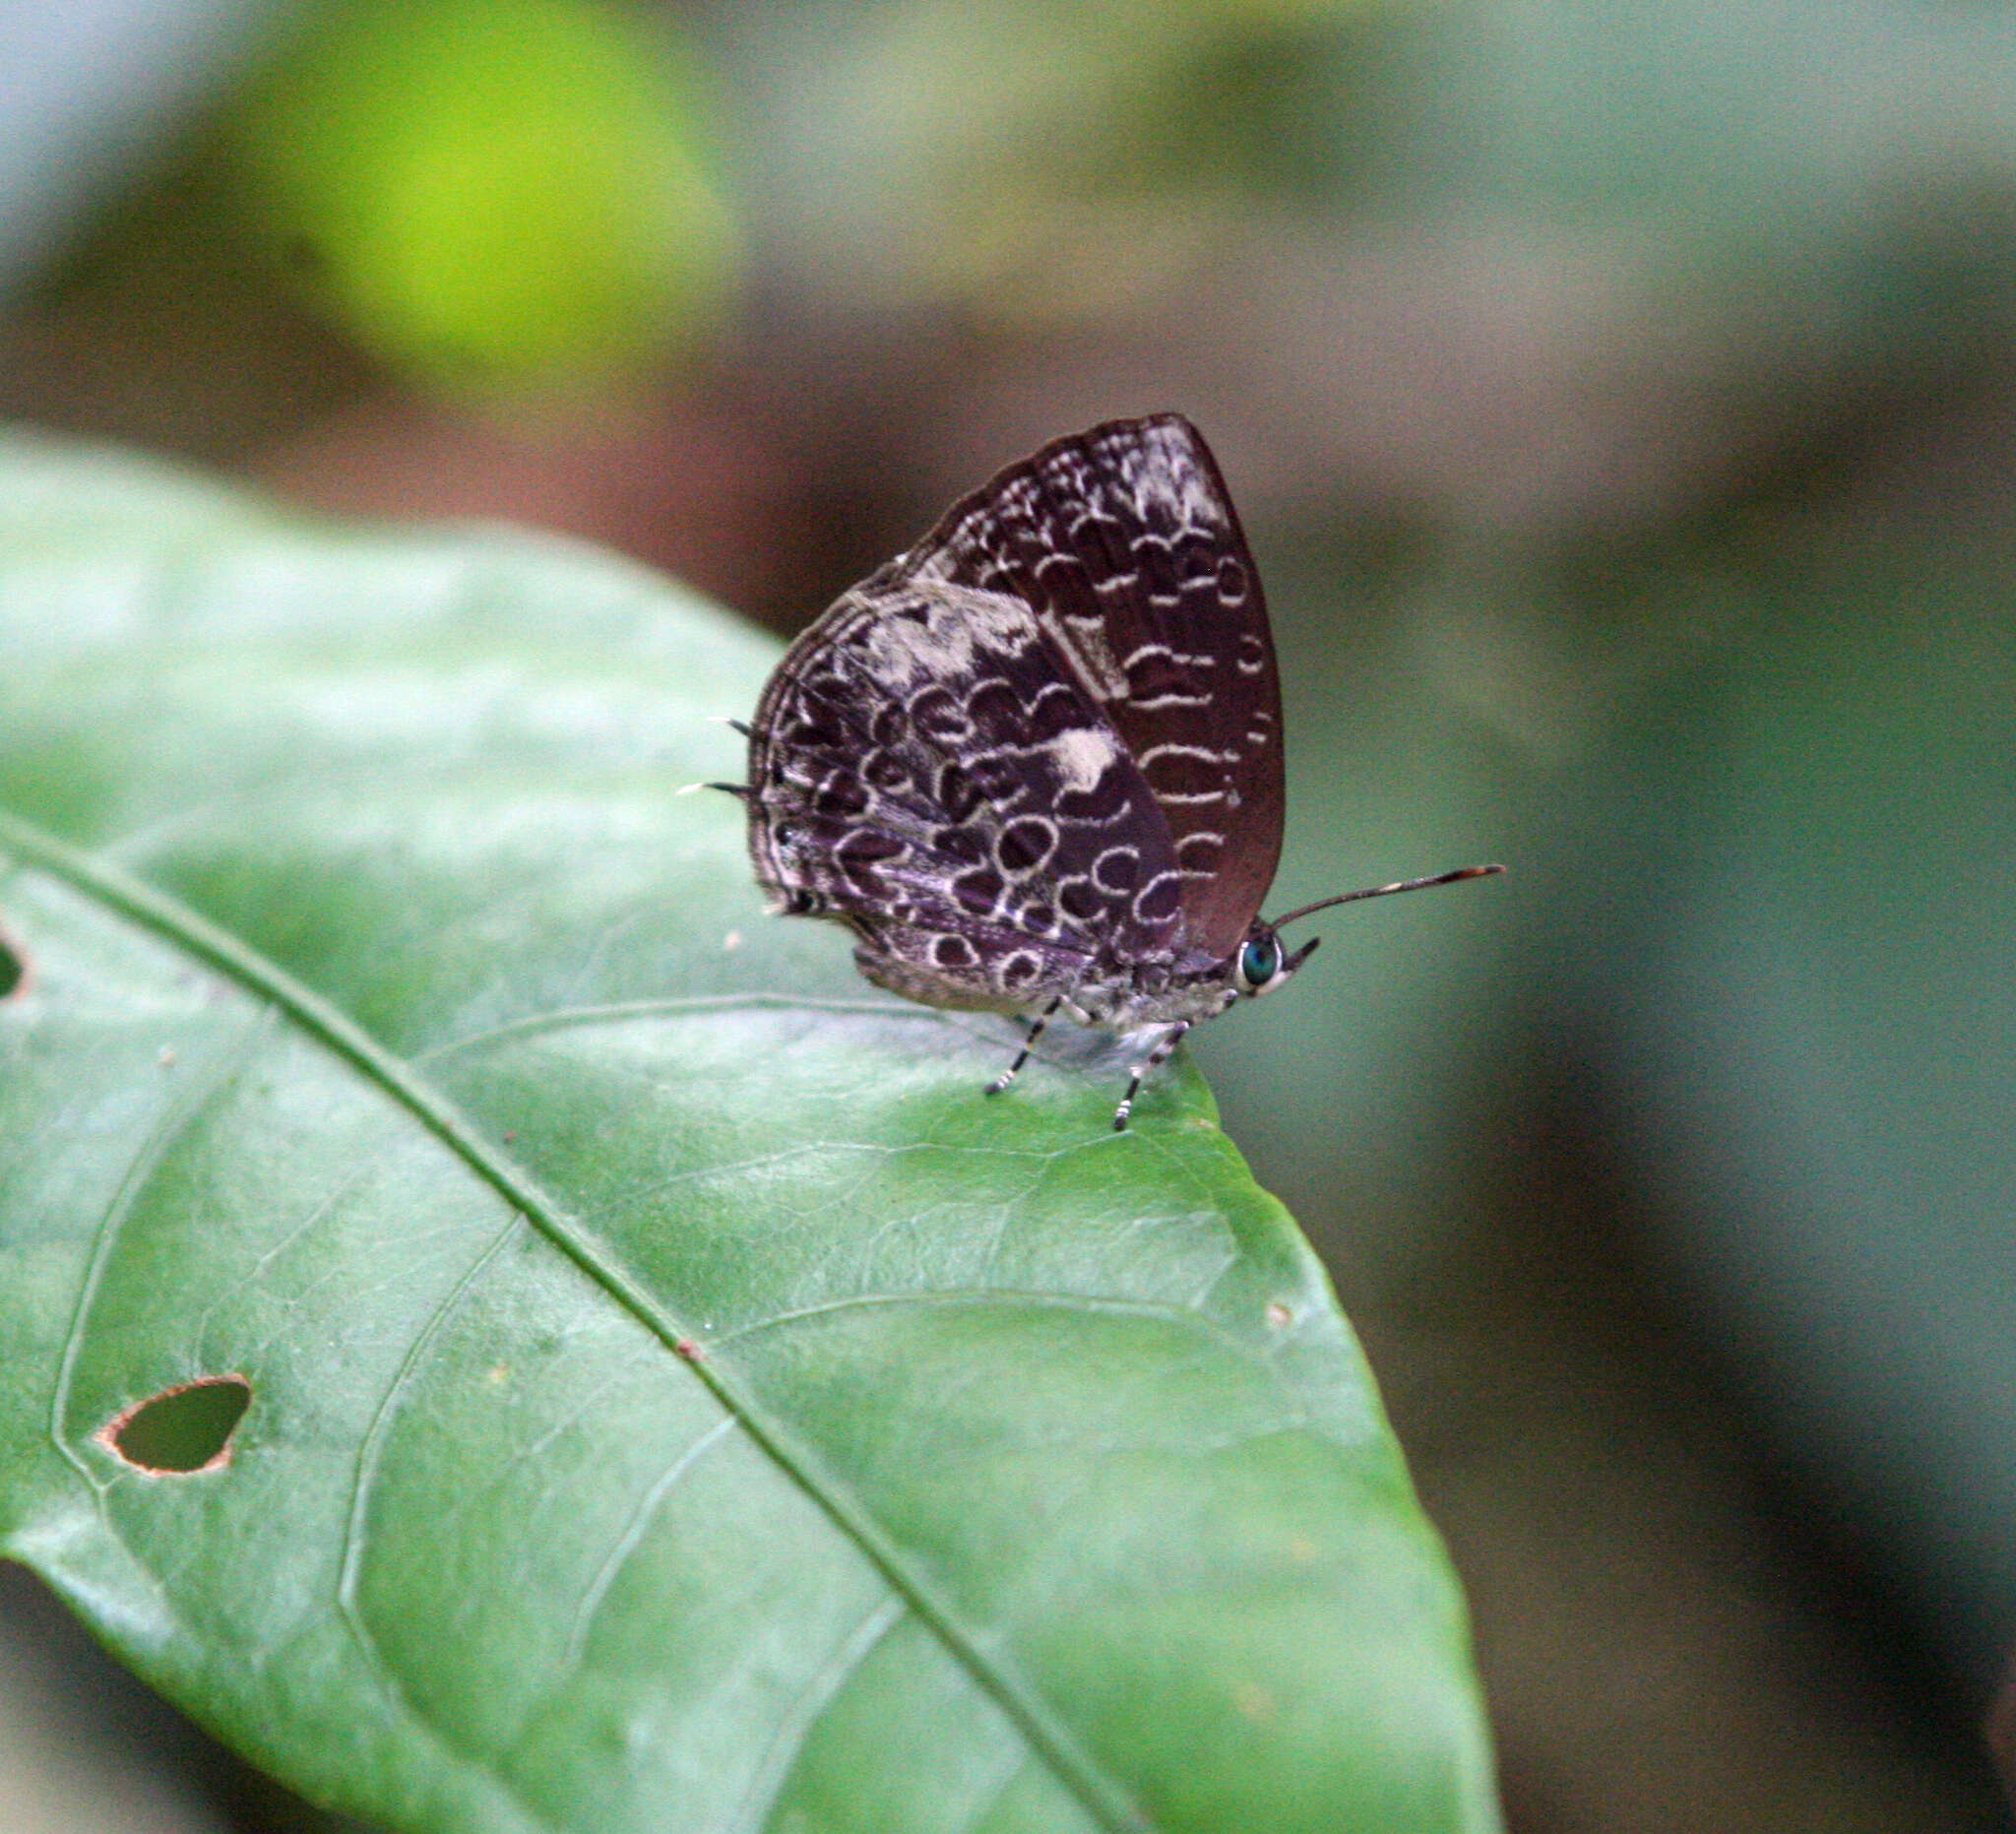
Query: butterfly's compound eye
1259,965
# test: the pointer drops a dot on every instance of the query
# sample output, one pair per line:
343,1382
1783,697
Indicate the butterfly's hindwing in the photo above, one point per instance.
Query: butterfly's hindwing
1124,544
926,767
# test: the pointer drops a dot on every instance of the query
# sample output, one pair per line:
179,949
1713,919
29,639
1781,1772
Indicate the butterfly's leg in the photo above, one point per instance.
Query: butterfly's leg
1155,1059
1035,1032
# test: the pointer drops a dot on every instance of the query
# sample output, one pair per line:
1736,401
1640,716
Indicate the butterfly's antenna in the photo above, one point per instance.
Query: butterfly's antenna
1387,891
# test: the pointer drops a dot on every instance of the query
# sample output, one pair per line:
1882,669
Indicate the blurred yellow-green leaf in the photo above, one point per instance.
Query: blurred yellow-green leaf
491,193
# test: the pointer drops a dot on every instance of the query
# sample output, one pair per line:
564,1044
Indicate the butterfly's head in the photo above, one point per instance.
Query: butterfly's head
1262,964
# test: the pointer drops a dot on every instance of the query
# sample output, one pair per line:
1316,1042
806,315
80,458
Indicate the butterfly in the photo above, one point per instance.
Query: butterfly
1034,764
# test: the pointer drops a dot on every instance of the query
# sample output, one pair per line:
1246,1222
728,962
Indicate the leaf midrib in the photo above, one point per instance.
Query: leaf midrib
1102,1799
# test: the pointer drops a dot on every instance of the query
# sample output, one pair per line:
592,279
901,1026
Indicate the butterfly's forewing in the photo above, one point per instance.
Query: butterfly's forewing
924,767
1124,544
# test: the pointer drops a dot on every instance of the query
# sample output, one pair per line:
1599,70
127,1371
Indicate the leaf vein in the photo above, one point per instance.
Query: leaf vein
173,1123
789,1739
627,1543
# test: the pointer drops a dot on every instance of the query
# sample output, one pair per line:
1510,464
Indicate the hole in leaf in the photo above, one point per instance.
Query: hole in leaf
183,1428
13,966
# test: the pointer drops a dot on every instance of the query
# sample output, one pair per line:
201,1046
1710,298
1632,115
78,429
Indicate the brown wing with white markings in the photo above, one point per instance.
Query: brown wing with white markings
1125,545
924,767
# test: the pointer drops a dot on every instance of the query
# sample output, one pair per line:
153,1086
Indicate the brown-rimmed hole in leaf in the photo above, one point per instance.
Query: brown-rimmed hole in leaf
185,1428
14,974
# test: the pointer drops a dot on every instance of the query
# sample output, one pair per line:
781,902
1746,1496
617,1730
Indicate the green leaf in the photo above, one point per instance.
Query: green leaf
496,193
676,1398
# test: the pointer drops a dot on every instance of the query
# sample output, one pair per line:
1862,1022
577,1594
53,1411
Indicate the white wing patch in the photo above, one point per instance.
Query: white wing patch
1082,755
958,621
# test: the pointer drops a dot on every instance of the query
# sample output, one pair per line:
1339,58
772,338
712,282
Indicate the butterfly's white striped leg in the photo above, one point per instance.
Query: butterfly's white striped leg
1007,1076
1155,1059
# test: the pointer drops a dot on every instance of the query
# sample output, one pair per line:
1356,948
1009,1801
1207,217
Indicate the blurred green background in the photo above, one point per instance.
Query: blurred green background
1621,400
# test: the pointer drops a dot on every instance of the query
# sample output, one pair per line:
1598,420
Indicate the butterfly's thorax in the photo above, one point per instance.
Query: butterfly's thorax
1154,999
1112,997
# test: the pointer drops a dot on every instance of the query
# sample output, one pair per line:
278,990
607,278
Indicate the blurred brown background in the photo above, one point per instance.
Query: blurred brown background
1621,400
